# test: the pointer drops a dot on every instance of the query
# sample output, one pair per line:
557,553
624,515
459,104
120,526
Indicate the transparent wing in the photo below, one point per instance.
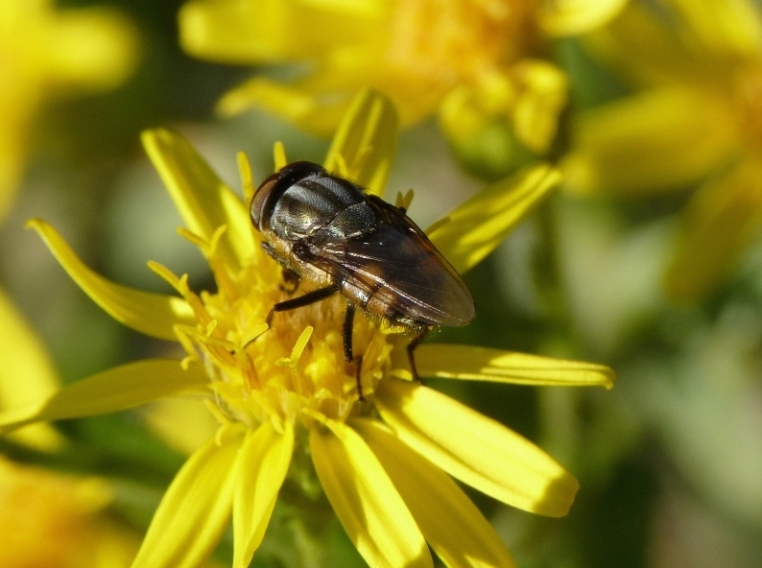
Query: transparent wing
396,263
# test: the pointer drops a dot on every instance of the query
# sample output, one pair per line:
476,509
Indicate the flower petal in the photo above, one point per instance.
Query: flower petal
477,226
475,449
452,525
262,466
731,27
365,500
110,391
245,32
573,17
642,49
366,141
541,98
152,314
649,142
290,102
203,200
195,510
26,373
95,48
719,221
484,364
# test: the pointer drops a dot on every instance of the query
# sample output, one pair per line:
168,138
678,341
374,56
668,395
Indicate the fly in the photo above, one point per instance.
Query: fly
327,230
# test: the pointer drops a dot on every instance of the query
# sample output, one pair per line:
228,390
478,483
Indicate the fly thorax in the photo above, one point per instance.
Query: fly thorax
354,221
311,204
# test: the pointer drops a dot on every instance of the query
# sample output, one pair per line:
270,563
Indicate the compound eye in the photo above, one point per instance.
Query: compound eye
260,211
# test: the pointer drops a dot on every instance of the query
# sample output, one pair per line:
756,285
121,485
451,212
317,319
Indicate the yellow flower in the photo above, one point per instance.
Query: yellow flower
696,118
57,521
381,462
45,51
479,65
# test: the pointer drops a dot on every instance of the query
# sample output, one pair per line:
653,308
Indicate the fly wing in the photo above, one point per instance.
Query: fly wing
397,263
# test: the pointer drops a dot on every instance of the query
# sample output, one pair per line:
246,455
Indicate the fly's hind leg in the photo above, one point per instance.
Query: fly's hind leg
411,347
349,318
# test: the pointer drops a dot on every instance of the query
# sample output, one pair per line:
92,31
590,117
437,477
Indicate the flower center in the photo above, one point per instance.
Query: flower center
447,41
294,370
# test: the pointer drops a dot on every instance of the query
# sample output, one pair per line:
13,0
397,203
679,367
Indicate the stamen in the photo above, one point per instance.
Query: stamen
296,351
247,338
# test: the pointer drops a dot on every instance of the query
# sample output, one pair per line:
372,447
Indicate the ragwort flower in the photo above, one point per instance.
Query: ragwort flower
479,65
45,51
382,462
696,118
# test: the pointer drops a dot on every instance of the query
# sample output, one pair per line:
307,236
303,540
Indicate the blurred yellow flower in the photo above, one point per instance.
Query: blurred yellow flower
478,64
47,52
381,462
56,521
23,355
696,118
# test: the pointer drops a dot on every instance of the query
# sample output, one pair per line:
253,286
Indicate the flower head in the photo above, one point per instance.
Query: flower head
382,463
696,118
478,65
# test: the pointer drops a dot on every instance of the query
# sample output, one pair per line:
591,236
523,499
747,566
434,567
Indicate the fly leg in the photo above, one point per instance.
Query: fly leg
411,347
301,301
349,318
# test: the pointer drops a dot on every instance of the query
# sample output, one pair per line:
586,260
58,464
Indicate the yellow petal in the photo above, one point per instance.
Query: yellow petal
542,93
475,449
203,200
246,31
290,102
94,48
719,222
450,522
573,17
195,510
649,142
366,141
26,373
110,391
484,364
730,26
476,227
371,511
262,466
642,49
182,423
47,52
152,314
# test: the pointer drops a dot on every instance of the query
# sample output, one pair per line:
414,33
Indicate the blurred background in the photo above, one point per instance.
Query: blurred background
648,259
